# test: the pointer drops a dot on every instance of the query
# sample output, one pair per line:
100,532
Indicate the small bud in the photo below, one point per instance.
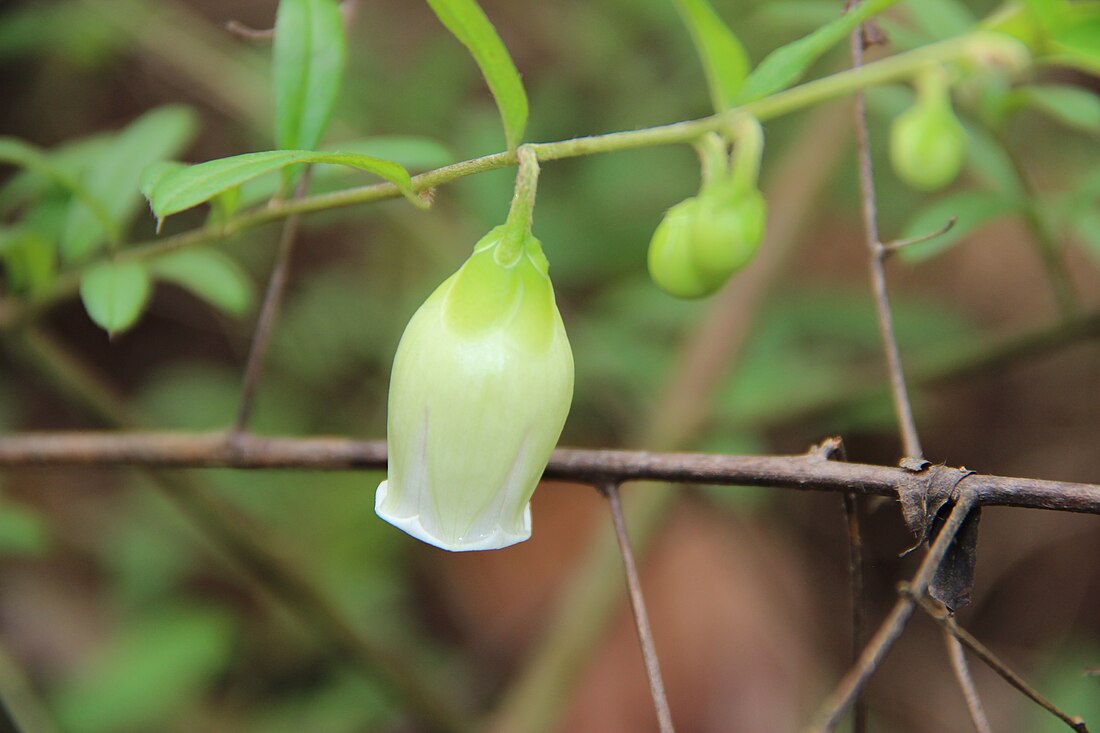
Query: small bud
705,239
481,387
927,141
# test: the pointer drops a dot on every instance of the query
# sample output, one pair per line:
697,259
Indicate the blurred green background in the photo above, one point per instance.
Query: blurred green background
117,615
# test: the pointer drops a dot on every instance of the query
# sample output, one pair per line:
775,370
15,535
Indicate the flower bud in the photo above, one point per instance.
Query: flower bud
481,385
705,239
927,141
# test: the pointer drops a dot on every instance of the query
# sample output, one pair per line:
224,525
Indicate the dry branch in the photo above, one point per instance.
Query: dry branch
809,471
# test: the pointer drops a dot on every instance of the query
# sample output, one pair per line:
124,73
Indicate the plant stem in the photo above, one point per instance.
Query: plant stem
637,605
890,69
269,311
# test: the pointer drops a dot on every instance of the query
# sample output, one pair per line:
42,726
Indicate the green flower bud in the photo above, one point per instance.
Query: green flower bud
705,239
481,385
927,141
728,231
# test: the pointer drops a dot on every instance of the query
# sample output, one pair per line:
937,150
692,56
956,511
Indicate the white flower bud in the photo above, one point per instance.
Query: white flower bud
481,386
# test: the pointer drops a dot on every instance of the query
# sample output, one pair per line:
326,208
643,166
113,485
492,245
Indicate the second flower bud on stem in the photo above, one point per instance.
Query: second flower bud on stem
703,240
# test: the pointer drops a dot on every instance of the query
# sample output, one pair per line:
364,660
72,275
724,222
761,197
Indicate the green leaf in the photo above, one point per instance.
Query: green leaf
786,65
148,673
30,260
309,56
211,275
70,158
724,59
973,209
115,175
181,189
24,155
1071,105
941,19
114,294
986,158
468,23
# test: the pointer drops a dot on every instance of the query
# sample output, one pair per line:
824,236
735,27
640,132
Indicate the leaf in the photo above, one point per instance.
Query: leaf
986,158
1071,105
211,275
181,189
30,260
468,23
309,55
786,65
941,19
114,294
973,209
724,59
114,176
70,158
17,152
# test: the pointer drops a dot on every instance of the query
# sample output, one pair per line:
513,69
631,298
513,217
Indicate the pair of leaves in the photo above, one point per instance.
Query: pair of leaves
726,64
114,175
115,293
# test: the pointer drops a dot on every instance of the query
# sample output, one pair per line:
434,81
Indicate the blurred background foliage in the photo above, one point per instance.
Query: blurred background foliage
118,616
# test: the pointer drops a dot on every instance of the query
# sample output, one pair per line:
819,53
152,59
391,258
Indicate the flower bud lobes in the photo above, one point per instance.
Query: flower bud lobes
705,239
927,141
481,386
671,262
728,232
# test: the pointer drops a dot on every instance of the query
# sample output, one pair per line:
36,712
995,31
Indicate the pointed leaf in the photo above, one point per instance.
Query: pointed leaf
309,55
30,259
24,155
468,23
114,294
181,189
1070,105
786,65
724,59
211,275
114,176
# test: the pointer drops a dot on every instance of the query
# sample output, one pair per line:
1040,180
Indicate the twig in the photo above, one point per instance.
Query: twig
902,406
803,472
855,580
637,605
240,30
966,683
944,619
269,311
883,640
21,709
889,248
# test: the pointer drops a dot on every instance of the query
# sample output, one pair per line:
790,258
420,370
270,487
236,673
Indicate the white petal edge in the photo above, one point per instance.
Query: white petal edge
495,541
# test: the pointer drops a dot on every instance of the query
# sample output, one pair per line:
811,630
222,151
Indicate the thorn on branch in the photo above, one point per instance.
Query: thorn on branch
827,449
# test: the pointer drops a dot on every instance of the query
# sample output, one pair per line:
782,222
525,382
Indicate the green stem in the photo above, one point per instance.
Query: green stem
521,215
748,149
790,100
714,159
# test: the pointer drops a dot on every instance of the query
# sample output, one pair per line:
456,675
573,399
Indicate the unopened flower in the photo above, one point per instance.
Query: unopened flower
481,386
